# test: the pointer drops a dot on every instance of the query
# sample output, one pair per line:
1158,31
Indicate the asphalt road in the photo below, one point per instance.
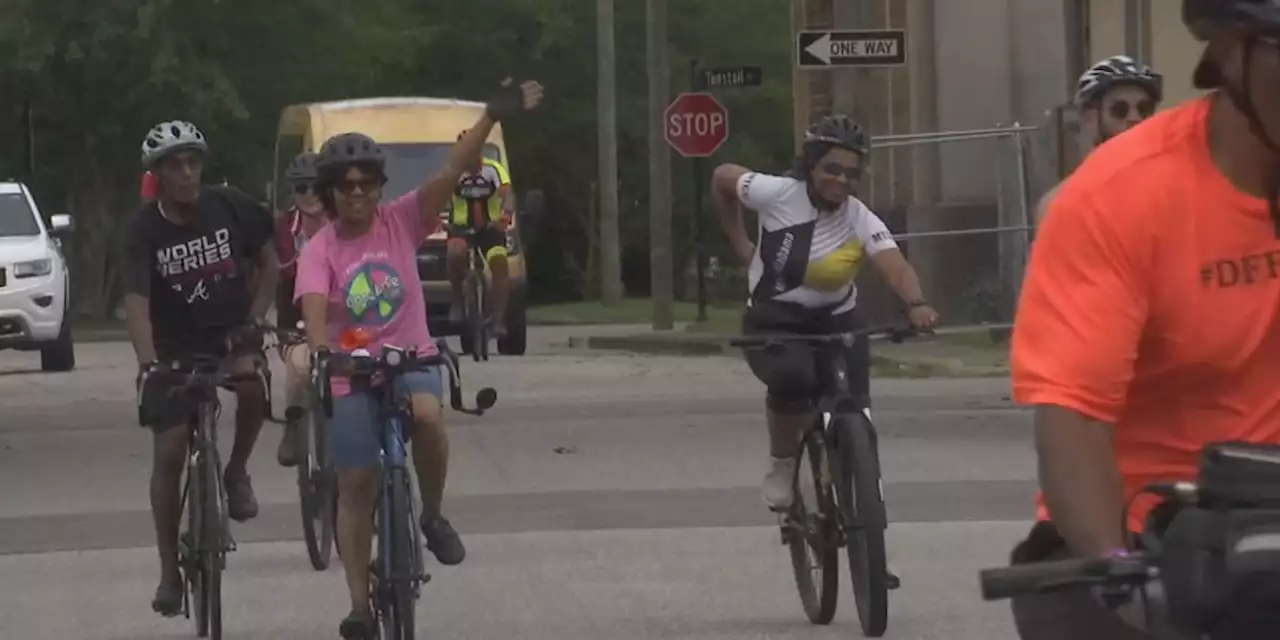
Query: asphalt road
606,497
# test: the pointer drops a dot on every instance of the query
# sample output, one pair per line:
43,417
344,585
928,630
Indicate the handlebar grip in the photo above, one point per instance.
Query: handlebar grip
1010,582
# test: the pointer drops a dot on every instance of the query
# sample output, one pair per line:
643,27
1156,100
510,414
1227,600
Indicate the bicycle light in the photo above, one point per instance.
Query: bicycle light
352,338
393,357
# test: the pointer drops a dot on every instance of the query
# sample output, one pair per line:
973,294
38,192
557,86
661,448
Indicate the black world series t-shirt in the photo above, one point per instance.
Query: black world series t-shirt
196,275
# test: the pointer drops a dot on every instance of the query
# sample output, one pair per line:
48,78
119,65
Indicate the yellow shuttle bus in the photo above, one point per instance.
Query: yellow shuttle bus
417,135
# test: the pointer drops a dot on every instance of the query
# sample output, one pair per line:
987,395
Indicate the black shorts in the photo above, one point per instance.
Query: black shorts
487,239
161,409
792,372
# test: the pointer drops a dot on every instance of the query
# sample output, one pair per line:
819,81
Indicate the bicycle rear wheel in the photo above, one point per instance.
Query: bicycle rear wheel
812,534
862,503
315,478
399,586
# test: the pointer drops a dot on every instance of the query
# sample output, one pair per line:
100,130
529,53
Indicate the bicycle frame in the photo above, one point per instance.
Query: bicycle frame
202,450
395,415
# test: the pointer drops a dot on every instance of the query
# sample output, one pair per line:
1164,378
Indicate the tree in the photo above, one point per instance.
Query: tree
99,73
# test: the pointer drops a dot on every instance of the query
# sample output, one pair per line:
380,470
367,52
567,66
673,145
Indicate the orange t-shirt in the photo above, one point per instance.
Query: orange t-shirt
1151,303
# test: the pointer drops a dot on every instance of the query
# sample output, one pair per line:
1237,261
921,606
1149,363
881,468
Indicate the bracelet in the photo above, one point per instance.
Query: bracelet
917,303
1118,552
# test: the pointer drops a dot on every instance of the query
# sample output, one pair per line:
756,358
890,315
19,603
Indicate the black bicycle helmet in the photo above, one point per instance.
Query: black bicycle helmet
346,149
841,131
303,167
1202,16
1255,18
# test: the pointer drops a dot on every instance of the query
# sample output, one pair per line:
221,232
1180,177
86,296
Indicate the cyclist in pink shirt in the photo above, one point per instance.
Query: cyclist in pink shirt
360,272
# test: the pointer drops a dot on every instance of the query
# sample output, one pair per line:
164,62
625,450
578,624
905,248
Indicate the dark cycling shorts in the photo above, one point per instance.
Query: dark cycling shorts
792,373
488,238
158,407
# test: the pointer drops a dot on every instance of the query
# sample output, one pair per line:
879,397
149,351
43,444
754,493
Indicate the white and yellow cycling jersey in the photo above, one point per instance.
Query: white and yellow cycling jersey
804,256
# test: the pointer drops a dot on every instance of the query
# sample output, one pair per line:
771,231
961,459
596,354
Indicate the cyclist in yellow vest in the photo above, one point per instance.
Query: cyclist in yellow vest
483,205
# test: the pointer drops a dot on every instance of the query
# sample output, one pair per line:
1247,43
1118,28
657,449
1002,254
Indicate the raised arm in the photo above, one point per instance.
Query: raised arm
435,193
724,196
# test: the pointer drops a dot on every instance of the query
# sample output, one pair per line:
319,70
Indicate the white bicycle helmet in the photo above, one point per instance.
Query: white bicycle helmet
169,137
1118,70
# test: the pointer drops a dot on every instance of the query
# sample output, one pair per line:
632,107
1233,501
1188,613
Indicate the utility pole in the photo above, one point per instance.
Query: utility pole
661,283
607,140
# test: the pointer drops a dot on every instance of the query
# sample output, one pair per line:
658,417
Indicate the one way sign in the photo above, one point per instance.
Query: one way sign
826,49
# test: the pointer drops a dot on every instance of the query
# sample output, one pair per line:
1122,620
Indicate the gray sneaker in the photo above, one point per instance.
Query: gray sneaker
287,453
242,504
442,540
778,491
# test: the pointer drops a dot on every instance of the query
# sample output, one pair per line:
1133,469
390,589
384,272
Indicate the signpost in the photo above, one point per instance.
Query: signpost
828,49
696,124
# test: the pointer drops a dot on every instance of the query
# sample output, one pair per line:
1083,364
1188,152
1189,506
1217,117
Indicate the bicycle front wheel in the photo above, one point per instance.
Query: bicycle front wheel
862,504
475,316
811,531
401,573
209,553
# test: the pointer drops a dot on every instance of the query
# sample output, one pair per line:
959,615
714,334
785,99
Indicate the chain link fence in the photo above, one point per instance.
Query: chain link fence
960,205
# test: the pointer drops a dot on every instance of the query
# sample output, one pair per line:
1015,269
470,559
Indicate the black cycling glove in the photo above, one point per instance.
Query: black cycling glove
151,393
507,102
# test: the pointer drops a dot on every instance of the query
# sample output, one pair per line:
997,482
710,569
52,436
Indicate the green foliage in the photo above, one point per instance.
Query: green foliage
98,73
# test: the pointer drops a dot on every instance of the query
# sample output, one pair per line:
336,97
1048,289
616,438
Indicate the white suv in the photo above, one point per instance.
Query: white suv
35,286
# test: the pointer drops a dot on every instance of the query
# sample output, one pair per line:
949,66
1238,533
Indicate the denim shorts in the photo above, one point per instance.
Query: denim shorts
353,430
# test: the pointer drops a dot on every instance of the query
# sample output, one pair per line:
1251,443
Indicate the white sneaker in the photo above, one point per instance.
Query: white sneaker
778,492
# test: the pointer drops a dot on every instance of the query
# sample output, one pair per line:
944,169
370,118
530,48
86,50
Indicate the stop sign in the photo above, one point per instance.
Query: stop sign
695,124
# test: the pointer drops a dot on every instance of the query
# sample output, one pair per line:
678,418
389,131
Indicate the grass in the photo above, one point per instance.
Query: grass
627,311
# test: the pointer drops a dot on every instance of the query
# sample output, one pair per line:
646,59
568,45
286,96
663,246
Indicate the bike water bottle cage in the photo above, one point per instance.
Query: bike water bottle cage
475,188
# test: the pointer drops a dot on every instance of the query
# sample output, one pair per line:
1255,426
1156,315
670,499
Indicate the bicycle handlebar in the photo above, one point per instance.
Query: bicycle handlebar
395,361
204,371
896,333
1045,577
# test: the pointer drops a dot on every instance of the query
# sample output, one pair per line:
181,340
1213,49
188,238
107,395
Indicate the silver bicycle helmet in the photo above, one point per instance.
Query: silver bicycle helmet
1114,71
171,137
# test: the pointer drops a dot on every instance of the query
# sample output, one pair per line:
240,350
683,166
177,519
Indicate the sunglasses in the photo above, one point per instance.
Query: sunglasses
366,185
835,170
1119,110
303,188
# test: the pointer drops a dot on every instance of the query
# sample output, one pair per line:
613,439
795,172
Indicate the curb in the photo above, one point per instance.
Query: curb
684,344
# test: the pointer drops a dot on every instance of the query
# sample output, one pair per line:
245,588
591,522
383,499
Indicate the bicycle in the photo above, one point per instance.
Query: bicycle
844,466
317,490
1216,554
397,571
204,543
476,190
476,298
